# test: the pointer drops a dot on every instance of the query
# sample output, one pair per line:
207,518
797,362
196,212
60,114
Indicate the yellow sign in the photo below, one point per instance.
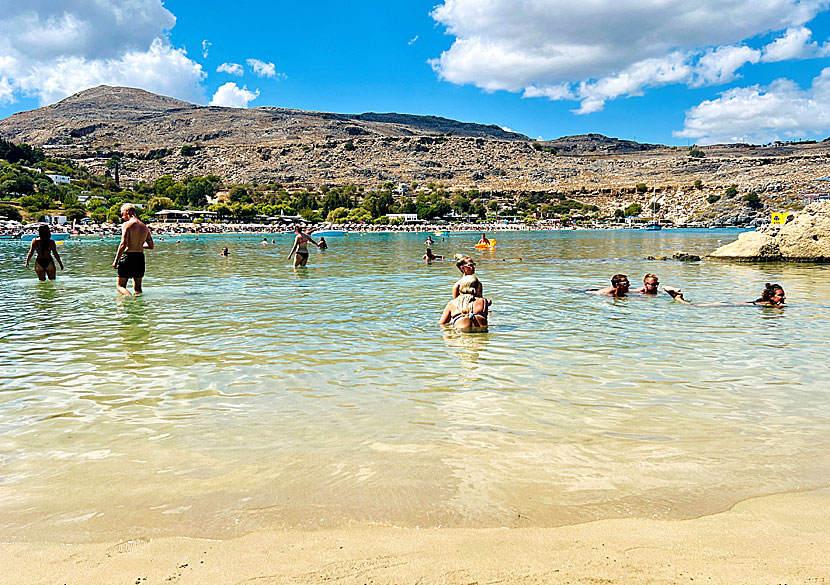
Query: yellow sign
780,217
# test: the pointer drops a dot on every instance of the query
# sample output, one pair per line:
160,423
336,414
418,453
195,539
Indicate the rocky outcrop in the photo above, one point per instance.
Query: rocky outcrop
804,239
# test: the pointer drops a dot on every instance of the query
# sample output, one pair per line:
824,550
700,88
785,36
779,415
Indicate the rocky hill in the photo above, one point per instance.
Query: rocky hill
139,119
307,149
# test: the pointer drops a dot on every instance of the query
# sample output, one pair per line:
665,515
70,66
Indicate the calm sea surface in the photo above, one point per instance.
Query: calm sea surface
238,394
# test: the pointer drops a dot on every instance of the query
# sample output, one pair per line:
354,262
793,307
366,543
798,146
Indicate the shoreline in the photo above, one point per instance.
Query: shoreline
781,538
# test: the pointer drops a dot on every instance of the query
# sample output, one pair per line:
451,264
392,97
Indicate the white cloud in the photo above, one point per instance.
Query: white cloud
793,45
6,91
53,49
720,65
755,114
230,68
232,96
412,40
262,69
603,49
206,44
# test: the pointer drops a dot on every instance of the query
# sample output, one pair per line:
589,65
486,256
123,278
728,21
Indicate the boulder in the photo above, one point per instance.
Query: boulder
806,238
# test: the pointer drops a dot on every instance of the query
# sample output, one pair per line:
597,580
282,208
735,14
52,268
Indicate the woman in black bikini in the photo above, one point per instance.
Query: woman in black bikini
45,247
301,247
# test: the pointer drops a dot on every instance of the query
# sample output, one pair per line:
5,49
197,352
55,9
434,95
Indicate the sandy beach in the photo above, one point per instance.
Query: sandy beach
783,538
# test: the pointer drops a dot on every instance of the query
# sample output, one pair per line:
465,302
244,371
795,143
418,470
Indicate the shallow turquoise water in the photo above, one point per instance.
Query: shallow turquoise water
237,394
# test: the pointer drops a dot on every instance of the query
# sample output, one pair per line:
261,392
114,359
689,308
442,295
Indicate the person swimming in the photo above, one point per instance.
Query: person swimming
467,312
321,243
772,296
484,240
225,252
619,287
429,256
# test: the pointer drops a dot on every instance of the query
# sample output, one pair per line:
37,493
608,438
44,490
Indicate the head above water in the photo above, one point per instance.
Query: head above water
465,264
620,281
773,294
651,282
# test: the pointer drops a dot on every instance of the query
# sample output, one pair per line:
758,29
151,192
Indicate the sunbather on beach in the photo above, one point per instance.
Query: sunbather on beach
467,267
466,312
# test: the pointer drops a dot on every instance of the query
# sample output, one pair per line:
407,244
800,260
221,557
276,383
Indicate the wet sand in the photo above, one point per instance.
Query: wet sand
776,539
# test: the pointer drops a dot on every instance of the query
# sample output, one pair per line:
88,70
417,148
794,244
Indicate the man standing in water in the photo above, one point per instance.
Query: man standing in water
129,259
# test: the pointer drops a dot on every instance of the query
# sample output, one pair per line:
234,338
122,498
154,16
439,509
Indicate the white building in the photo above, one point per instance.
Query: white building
58,178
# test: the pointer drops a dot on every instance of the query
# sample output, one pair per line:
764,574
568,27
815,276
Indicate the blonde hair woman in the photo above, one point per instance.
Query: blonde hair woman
466,312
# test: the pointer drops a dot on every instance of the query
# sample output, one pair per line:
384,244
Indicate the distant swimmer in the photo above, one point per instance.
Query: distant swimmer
772,296
45,247
467,312
467,266
429,256
484,240
321,243
619,287
225,252
129,259
428,242
264,241
301,247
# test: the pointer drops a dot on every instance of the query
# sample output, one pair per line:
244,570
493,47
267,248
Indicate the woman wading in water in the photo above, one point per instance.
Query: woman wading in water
45,247
466,312
301,247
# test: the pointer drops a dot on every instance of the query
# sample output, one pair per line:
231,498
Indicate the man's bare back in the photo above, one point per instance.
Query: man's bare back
129,259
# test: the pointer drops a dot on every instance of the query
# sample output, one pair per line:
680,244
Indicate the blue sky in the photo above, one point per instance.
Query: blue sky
647,70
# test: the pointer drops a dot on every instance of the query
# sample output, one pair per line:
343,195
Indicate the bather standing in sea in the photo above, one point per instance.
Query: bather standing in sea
129,258
45,247
301,247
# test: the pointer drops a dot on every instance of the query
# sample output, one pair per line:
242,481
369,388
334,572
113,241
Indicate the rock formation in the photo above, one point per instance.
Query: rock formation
806,238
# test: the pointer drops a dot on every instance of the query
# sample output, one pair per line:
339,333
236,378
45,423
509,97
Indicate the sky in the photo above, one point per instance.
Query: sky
664,71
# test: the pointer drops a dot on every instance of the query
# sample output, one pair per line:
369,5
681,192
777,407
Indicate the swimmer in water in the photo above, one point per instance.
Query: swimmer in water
484,240
619,287
772,296
224,252
429,256
321,243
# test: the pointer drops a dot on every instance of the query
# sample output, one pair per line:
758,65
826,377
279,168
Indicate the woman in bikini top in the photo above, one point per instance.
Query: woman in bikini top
467,311
45,247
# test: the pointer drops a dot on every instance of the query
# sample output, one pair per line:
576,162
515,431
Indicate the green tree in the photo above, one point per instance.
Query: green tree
641,188
698,184
10,212
752,200
198,189
633,209
337,215
713,198
114,165
158,203
731,191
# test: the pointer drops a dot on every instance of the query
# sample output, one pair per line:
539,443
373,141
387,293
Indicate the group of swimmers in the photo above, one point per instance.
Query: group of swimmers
772,296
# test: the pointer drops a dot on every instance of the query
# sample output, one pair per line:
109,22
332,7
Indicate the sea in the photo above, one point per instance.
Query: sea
239,394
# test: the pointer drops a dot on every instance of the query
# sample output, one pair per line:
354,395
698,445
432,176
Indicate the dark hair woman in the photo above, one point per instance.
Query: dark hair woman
45,247
773,296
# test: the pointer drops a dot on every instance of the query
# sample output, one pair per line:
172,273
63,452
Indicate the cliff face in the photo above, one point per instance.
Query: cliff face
306,149
804,239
